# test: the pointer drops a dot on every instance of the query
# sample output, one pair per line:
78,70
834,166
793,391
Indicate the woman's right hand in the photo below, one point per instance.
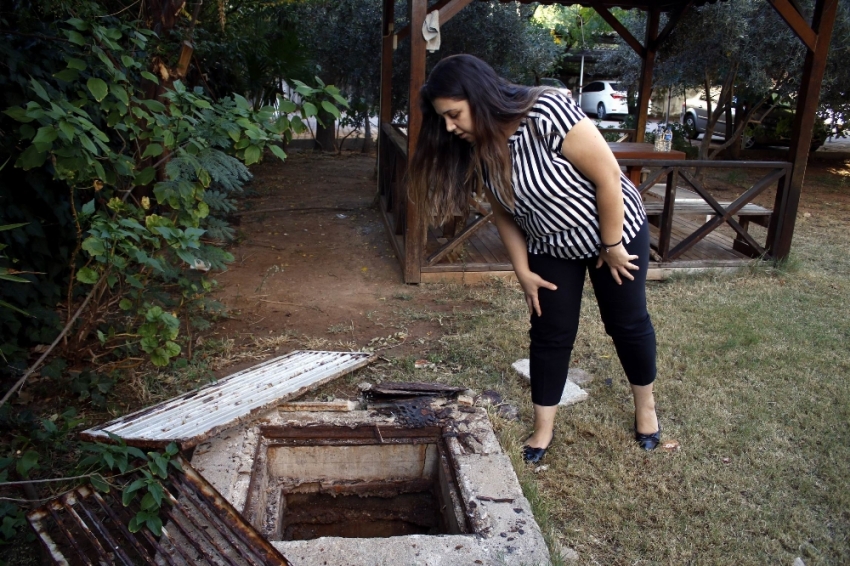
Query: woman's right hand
531,283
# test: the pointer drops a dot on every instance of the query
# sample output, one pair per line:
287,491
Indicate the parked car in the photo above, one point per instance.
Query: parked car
770,125
558,84
604,98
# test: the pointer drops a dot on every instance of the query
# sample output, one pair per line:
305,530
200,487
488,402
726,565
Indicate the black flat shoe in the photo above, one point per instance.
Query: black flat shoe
648,442
534,455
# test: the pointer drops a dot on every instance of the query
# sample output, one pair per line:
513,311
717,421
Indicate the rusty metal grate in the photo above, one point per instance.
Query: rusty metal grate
193,417
200,528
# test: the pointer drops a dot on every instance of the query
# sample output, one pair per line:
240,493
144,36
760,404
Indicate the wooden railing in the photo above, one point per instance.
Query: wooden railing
393,163
737,214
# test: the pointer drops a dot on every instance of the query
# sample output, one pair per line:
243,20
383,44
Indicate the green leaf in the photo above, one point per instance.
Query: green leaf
39,90
153,150
75,37
94,246
88,144
18,113
145,176
159,358
67,75
27,462
45,135
32,157
287,106
172,349
127,60
150,76
87,275
242,102
127,496
6,305
331,109
67,129
136,523
310,109
81,25
154,105
154,525
99,483
12,226
148,502
252,154
121,94
5,276
77,64
98,88
88,208
277,151
201,103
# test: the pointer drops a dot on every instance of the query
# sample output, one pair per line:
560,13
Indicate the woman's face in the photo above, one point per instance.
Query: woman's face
457,115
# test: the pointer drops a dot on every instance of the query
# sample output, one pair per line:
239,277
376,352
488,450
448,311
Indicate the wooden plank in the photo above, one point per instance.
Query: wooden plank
612,21
666,224
469,266
493,241
796,22
414,240
459,239
788,202
478,242
645,89
672,20
466,277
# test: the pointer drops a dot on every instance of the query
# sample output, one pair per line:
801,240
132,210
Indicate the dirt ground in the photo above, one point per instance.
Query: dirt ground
313,259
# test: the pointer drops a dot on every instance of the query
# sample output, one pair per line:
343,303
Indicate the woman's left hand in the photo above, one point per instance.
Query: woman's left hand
619,262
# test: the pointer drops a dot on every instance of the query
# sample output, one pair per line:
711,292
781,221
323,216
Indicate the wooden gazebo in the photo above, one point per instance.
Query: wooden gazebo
688,233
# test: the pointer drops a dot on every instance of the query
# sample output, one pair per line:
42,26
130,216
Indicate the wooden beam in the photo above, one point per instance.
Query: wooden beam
672,21
621,29
448,9
781,228
459,239
414,237
796,22
645,88
387,25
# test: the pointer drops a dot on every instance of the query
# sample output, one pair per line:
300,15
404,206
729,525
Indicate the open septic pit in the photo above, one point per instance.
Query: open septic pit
361,488
310,482
412,477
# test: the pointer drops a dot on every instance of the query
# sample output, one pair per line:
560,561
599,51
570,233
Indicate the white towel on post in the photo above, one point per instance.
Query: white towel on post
431,30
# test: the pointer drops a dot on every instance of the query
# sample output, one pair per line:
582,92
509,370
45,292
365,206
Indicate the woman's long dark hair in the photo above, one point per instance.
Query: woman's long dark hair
445,169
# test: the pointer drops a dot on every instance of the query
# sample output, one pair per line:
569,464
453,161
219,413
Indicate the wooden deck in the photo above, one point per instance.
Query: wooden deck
483,255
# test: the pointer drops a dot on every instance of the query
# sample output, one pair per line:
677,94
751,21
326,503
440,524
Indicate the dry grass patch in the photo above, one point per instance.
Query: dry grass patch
752,382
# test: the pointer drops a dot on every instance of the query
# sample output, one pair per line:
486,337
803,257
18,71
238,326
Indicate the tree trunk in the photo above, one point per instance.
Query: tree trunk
325,135
367,136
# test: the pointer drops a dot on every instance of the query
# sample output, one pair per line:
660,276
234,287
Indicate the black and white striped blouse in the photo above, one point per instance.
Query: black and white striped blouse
554,204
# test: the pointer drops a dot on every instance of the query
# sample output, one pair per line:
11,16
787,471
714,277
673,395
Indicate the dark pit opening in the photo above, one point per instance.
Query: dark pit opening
309,516
311,482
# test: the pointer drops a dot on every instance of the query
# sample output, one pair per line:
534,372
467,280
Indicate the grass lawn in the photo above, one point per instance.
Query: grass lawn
753,383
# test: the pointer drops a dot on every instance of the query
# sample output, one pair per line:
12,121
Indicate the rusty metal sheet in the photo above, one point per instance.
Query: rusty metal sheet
411,388
195,416
199,528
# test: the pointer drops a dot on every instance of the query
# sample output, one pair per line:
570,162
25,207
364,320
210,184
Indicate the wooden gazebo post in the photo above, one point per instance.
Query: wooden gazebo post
414,240
816,39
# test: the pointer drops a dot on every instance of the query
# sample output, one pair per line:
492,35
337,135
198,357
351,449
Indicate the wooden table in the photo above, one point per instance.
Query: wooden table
631,150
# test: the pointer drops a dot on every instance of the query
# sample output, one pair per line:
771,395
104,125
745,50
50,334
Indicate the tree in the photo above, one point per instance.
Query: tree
743,52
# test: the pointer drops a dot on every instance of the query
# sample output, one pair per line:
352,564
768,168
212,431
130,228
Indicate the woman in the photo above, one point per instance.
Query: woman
562,207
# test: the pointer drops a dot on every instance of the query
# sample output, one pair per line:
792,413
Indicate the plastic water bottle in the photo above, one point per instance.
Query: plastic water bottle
668,139
659,139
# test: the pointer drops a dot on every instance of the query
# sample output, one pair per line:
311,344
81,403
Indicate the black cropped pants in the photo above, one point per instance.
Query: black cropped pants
623,311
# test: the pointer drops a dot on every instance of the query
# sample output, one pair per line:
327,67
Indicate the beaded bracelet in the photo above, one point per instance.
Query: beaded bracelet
607,247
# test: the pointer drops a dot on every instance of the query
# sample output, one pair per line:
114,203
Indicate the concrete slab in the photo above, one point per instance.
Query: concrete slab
503,529
572,393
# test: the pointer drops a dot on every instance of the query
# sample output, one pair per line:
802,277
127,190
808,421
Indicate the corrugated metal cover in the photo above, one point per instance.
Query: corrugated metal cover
195,416
201,528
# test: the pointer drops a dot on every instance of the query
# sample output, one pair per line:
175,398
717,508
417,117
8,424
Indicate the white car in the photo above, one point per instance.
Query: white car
558,84
604,98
